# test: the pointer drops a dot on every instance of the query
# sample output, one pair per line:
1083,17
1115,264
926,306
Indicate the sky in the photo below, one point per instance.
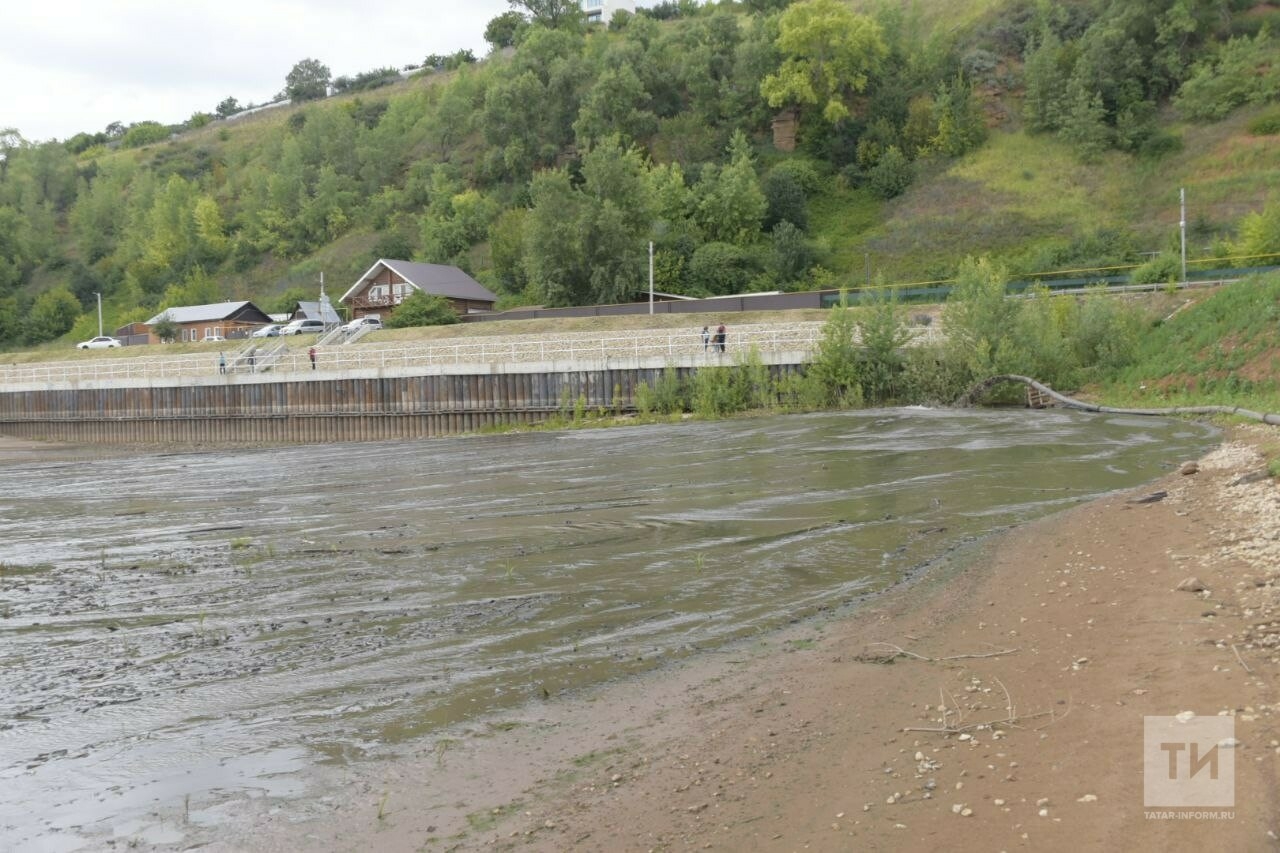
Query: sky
68,66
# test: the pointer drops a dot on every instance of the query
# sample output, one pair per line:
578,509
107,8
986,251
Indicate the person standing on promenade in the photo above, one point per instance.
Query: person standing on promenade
706,339
311,354
720,336
222,362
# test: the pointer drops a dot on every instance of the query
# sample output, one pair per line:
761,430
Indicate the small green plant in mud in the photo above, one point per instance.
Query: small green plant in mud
240,542
442,746
482,821
699,562
382,805
1273,467
508,571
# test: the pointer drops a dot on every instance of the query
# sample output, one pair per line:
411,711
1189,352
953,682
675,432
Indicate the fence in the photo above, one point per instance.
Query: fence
126,368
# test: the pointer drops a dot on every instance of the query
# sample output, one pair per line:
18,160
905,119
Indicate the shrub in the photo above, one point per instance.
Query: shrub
144,133
1161,269
1267,124
891,175
422,309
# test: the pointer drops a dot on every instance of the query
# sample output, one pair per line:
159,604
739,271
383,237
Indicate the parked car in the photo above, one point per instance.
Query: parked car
100,342
212,338
303,327
372,322
270,331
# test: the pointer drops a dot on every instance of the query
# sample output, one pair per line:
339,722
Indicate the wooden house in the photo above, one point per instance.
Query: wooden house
388,282
197,322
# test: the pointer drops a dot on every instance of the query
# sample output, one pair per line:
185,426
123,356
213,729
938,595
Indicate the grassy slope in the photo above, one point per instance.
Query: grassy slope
1222,350
1019,192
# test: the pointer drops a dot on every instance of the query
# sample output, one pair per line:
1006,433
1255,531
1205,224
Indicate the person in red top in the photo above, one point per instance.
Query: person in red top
720,335
311,353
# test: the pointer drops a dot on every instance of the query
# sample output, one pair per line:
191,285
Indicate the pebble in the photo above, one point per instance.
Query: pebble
1088,798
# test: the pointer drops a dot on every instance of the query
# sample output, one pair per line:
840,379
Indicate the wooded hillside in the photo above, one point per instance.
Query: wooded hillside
1049,135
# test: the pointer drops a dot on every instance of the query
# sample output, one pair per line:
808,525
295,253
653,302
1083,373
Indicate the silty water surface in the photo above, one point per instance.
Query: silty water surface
203,625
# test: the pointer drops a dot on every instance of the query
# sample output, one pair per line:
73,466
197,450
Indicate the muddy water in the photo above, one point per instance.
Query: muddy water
184,628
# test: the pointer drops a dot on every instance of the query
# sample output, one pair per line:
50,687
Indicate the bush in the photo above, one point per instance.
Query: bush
1267,124
891,175
1162,269
144,133
422,309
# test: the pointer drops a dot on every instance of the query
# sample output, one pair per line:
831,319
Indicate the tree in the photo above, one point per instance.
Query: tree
552,14
422,309
829,54
53,314
503,30
166,329
308,81
228,107
730,203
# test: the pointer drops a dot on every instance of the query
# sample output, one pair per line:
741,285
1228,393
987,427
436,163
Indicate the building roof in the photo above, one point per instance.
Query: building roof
435,279
212,312
316,311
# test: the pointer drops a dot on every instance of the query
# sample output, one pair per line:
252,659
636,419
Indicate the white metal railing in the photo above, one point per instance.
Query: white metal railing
584,346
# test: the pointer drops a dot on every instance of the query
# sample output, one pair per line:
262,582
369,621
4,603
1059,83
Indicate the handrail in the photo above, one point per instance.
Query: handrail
585,346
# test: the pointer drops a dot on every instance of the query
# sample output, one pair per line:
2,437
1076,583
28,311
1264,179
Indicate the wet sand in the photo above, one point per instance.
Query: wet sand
1064,633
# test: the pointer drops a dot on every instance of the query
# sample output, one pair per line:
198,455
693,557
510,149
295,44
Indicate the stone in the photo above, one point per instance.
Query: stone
1192,584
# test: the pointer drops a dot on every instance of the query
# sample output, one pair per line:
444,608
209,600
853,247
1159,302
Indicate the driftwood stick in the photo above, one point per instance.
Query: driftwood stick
960,728
897,652
1242,663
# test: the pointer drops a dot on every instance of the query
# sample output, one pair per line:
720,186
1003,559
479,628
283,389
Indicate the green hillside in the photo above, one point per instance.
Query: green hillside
1048,136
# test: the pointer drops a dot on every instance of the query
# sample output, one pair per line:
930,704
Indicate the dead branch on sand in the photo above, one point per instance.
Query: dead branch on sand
894,652
1012,718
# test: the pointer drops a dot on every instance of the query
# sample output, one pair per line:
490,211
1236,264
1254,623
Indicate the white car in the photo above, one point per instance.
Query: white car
303,327
100,342
271,331
212,339
372,322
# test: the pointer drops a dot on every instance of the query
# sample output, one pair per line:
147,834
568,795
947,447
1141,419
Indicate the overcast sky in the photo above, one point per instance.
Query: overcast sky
78,65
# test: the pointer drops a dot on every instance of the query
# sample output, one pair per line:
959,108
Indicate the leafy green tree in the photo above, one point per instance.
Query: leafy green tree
1046,70
616,104
228,107
958,118
422,309
1084,124
979,318
830,54
833,377
785,200
1241,71
308,80
717,269
552,14
891,175
883,334
53,314
1260,232
166,329
144,133
503,30
730,204
790,255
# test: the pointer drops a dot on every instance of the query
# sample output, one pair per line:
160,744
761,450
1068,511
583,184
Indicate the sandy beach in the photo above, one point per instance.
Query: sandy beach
996,704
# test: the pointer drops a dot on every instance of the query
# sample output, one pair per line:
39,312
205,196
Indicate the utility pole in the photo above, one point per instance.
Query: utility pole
650,276
1182,227
99,295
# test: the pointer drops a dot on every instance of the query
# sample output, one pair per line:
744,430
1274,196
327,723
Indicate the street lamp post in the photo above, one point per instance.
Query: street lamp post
650,276
99,295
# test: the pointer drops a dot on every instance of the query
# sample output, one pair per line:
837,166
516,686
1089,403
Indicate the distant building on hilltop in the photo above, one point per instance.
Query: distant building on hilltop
601,11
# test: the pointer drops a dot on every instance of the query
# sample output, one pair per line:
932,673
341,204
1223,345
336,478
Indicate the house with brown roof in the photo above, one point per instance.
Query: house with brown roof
388,282
225,319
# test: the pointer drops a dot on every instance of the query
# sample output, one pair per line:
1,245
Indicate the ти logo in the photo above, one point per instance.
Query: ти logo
1189,761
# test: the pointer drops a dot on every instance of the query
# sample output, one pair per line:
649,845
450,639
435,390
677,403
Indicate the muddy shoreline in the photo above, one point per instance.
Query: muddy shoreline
794,740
